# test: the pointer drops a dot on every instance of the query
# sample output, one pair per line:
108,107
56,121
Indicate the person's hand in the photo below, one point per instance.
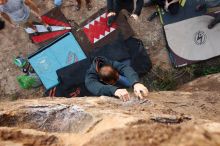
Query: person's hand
134,16
122,94
111,14
140,90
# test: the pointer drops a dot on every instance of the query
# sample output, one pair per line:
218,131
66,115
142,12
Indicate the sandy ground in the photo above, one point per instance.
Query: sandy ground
14,42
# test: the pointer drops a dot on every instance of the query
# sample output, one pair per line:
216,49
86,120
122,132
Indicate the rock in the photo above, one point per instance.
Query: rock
170,119
98,121
207,83
49,118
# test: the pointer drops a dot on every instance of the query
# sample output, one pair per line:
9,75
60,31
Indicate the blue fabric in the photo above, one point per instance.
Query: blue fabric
126,62
212,3
186,12
58,2
123,81
62,53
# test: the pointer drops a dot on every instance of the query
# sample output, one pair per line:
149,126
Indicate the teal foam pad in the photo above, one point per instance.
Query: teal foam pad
58,54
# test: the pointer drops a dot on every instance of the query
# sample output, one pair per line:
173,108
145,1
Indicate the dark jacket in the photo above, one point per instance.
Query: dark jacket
117,5
97,88
213,5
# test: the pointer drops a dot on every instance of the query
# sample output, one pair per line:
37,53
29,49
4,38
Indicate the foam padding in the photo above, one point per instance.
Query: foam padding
54,18
185,12
98,28
188,38
94,32
58,54
195,42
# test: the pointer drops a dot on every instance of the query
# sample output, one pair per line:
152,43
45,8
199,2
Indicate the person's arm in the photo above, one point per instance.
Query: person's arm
110,5
97,88
33,7
126,71
7,18
139,6
139,89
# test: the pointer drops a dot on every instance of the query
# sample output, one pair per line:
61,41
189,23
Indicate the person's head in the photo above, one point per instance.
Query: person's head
108,74
2,2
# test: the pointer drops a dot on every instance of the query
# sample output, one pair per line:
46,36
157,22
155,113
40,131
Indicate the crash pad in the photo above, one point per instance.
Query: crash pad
94,32
58,54
188,39
185,12
98,29
59,26
196,42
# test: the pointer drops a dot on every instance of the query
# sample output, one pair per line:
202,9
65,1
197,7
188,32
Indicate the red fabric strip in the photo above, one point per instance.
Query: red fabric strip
47,36
99,28
55,22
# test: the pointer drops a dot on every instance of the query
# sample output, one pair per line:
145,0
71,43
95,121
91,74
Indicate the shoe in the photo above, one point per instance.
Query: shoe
89,6
111,19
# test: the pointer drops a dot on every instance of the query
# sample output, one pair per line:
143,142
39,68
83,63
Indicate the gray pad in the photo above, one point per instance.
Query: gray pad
191,39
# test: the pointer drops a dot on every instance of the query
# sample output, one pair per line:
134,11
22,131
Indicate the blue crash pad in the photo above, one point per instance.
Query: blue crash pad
60,53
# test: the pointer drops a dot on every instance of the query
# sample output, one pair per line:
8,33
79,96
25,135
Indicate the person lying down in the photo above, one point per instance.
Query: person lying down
111,78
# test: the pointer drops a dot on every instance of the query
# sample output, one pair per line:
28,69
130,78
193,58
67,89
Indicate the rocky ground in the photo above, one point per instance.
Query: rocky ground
187,117
164,118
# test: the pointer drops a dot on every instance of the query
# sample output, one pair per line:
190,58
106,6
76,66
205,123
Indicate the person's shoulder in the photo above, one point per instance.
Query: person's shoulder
91,69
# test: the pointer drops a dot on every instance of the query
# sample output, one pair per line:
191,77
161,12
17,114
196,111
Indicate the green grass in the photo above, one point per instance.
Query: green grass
160,79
